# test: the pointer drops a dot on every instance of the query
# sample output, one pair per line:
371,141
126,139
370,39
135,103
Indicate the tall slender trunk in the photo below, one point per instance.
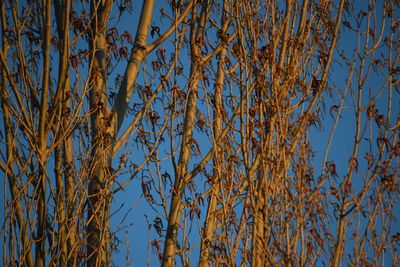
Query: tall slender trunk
40,252
106,123
98,233
63,155
188,126
210,220
179,184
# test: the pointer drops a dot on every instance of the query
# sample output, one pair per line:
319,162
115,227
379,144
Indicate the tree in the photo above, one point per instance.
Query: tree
223,114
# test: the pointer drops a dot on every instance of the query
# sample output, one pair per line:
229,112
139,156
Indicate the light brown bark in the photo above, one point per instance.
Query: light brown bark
184,156
218,157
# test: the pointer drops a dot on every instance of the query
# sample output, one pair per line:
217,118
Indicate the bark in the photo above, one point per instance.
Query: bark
139,52
218,157
106,124
40,252
66,250
184,156
98,233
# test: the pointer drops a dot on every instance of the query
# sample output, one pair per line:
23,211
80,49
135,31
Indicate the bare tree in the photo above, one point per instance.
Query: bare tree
225,115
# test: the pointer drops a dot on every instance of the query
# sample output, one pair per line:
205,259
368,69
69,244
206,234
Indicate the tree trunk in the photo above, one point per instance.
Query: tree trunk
106,124
188,126
210,220
98,232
